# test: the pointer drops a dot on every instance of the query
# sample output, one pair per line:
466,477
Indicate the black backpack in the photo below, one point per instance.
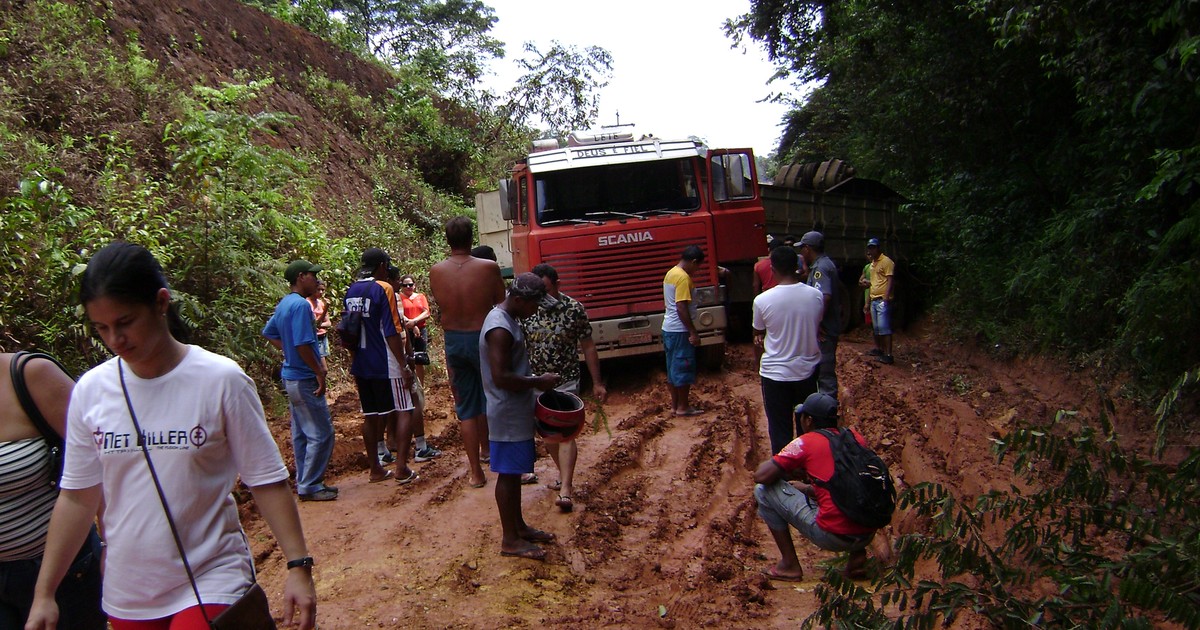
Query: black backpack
349,329
861,486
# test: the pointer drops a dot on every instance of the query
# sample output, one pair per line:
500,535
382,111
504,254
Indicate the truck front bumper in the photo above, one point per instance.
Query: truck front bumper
642,334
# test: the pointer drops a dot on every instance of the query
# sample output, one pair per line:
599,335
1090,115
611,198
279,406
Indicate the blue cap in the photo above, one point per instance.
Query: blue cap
873,242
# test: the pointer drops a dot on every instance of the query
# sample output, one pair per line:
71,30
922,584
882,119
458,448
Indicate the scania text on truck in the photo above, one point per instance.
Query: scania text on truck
612,214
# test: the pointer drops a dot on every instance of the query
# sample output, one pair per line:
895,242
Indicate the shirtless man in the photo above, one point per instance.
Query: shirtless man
465,289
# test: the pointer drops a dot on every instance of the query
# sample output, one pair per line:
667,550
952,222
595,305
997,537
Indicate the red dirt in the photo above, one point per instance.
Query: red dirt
664,517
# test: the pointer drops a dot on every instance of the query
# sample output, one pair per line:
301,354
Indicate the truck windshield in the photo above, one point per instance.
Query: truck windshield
616,191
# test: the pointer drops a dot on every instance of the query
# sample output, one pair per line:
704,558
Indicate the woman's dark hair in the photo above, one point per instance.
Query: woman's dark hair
408,276
131,274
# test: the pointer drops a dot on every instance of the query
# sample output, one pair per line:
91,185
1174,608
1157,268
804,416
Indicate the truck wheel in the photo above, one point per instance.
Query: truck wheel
711,357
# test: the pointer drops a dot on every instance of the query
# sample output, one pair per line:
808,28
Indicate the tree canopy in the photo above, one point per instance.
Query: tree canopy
1052,147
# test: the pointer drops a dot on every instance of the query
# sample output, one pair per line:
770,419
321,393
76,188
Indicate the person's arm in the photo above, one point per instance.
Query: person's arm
685,316
324,323
424,304
499,357
314,363
74,512
887,288
278,508
768,472
756,283
497,285
760,339
592,359
398,344
51,393
271,332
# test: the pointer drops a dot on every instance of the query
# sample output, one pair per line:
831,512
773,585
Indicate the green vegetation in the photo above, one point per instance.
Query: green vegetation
192,175
1052,147
98,143
1105,539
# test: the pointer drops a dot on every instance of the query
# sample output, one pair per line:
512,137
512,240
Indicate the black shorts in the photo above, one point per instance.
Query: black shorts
375,396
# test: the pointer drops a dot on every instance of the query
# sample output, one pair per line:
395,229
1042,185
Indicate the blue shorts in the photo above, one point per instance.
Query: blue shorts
462,356
881,317
512,458
681,358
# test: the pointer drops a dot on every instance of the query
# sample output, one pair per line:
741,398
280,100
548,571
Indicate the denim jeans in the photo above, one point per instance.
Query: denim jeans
780,504
78,595
312,433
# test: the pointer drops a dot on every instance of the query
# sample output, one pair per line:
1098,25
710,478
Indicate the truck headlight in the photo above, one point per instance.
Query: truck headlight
706,296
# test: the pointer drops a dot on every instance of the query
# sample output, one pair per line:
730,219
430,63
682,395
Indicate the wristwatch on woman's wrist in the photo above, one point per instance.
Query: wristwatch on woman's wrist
305,562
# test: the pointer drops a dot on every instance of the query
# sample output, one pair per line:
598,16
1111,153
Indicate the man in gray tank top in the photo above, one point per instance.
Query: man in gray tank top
509,387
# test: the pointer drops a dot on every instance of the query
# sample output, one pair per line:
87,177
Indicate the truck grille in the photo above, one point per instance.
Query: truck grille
620,280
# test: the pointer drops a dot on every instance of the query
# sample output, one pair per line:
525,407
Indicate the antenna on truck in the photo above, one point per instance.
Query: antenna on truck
618,123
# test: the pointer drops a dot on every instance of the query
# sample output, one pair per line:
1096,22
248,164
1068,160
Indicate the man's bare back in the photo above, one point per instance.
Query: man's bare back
465,289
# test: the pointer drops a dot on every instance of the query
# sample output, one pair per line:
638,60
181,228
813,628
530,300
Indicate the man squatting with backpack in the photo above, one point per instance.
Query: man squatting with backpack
783,502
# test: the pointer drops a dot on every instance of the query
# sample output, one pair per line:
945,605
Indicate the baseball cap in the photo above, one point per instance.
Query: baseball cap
372,257
819,405
298,267
813,239
692,252
529,286
873,242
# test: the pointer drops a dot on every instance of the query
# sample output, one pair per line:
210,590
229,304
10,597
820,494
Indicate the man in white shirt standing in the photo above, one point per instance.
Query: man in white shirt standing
787,320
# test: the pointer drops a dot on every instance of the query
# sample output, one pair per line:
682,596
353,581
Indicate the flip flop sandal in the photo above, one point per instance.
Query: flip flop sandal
529,479
532,553
557,485
771,574
564,503
538,536
412,476
386,475
690,412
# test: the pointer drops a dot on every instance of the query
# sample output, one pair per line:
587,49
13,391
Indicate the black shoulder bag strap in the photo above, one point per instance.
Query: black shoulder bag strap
161,496
16,371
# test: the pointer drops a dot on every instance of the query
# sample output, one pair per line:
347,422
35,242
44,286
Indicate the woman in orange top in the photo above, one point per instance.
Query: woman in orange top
416,315
320,309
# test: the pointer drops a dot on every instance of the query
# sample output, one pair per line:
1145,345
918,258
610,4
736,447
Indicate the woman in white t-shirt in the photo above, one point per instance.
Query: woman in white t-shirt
203,424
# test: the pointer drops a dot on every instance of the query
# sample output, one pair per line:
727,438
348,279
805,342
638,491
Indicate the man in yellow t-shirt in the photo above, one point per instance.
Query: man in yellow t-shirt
679,335
882,272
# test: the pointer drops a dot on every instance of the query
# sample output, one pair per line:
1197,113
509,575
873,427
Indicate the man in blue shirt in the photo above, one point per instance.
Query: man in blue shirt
293,330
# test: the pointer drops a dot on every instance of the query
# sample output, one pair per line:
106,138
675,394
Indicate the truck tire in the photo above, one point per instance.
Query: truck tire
711,358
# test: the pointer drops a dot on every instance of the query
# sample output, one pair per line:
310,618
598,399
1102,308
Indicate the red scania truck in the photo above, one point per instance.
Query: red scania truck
612,213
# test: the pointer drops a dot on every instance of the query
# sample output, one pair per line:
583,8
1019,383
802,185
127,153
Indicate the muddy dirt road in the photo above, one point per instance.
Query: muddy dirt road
664,532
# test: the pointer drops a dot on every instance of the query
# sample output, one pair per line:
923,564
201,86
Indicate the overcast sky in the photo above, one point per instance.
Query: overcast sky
674,73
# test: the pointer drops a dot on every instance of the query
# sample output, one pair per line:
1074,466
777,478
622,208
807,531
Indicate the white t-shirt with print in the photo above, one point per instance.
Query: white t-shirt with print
204,425
791,315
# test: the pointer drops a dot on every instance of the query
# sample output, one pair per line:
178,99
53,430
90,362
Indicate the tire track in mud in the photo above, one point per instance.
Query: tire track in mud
672,531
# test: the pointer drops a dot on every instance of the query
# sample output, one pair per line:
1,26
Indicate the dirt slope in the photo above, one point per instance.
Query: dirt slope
664,511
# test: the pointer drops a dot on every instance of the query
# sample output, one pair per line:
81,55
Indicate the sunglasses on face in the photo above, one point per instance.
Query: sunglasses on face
407,284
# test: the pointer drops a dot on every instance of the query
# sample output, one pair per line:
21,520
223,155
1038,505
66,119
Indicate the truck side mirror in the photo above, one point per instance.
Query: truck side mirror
507,200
